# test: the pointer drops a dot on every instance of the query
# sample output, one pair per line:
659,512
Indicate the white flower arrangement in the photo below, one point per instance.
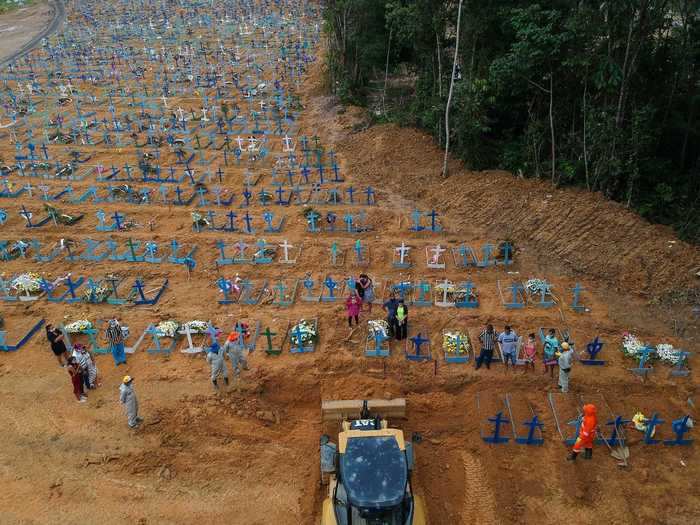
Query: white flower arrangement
378,325
195,326
167,328
78,327
27,283
631,345
668,353
306,331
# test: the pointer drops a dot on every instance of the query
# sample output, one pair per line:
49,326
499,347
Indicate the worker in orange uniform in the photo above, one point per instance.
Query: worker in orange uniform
586,434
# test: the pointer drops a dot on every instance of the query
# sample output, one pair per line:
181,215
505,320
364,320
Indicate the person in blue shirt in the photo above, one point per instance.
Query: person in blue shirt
551,347
390,308
508,344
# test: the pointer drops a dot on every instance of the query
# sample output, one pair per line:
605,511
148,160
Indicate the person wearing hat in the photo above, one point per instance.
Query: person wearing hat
235,350
566,359
127,397
586,433
215,357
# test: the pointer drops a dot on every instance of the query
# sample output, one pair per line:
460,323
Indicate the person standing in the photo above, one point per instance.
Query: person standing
487,338
550,349
530,351
508,345
390,308
58,345
235,351
352,308
216,358
566,360
127,397
365,289
88,368
402,320
76,379
115,336
586,433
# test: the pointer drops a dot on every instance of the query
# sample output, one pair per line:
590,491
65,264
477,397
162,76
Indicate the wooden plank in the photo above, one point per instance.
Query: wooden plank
348,409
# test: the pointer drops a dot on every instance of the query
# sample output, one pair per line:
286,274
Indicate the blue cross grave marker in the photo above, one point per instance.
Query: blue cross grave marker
496,438
680,427
593,348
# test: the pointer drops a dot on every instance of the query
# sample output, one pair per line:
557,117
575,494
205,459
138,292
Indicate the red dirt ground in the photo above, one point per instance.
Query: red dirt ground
249,455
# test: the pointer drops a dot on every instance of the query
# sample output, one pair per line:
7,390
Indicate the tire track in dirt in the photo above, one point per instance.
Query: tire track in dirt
479,503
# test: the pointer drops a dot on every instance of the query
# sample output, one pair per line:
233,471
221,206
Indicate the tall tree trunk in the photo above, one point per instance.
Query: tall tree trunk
386,69
555,179
449,96
439,58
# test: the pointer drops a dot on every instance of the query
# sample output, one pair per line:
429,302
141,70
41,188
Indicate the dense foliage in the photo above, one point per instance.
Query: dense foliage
601,94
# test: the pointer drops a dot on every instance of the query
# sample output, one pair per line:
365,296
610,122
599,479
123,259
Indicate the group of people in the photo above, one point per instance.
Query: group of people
554,353
395,308
80,363
82,367
234,350
359,299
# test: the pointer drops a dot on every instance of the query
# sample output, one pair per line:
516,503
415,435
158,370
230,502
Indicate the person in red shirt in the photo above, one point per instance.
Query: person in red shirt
76,379
352,307
586,434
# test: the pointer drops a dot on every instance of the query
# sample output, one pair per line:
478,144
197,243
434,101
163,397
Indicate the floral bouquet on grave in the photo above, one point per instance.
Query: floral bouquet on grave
266,251
640,423
196,326
16,250
377,326
534,286
668,354
631,345
455,342
167,328
459,294
61,218
199,221
308,212
27,283
78,327
265,197
307,332
98,295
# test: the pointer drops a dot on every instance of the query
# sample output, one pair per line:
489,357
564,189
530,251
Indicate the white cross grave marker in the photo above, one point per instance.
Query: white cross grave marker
403,252
434,259
285,249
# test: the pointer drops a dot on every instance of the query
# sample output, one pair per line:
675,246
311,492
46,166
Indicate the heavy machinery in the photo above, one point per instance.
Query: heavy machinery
368,471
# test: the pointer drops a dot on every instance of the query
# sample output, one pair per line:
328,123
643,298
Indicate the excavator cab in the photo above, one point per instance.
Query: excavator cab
369,469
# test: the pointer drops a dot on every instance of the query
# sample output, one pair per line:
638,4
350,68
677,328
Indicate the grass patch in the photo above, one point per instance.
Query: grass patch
10,5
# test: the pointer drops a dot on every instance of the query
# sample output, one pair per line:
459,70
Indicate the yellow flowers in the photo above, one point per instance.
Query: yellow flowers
455,342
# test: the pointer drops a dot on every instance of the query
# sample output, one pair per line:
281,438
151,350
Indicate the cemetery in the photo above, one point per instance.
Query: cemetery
171,164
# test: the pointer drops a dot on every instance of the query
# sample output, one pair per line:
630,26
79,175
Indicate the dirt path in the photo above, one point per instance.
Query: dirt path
23,29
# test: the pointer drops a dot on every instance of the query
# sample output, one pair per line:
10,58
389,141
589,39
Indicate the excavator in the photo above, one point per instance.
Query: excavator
368,471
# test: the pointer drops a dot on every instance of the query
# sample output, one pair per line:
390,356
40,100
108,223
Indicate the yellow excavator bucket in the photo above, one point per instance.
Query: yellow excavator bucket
352,408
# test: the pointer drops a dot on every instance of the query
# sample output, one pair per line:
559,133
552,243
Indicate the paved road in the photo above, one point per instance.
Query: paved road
59,14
